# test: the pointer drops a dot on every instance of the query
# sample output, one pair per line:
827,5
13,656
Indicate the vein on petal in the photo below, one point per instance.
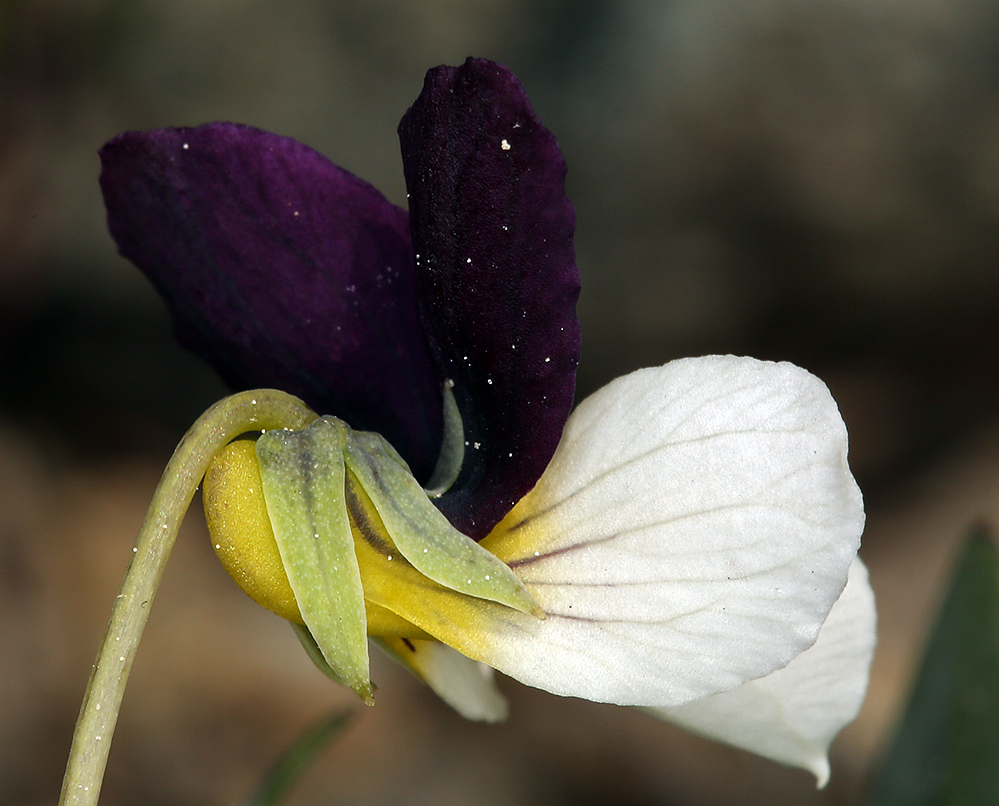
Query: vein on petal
611,471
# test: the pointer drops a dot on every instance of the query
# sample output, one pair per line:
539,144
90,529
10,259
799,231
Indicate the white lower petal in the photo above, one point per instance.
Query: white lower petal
691,533
793,714
466,685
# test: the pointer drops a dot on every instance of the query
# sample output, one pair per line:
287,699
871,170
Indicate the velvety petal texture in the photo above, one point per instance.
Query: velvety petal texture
281,270
793,714
492,232
692,532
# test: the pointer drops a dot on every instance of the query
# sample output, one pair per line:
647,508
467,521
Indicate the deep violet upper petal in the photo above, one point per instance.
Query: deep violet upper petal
492,232
281,270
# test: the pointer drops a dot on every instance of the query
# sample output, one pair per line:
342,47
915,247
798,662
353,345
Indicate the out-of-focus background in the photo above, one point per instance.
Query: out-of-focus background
791,179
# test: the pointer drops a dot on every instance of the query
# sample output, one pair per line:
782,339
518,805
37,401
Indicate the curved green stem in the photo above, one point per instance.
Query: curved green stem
263,409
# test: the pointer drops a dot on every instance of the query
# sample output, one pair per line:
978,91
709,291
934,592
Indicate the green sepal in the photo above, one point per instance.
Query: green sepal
452,454
303,479
421,532
315,653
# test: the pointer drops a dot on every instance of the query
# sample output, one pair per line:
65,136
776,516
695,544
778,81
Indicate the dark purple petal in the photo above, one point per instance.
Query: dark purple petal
492,233
281,270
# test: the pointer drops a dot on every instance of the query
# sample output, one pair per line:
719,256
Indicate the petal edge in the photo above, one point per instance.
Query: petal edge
281,270
692,532
792,715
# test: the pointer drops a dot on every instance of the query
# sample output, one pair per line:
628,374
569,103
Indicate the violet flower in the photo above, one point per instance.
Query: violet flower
685,541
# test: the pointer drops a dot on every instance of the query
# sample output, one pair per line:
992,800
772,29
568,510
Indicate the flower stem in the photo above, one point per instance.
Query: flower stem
259,410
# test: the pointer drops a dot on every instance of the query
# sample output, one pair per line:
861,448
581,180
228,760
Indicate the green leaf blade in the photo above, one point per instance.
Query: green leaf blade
946,750
289,768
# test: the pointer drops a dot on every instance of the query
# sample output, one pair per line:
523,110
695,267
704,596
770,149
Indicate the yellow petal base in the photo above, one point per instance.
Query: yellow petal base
241,529
241,534
401,602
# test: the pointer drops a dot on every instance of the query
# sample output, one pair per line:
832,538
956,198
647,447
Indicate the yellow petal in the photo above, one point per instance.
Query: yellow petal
241,531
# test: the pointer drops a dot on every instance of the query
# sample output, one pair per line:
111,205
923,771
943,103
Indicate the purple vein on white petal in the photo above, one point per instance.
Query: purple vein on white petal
654,566
607,476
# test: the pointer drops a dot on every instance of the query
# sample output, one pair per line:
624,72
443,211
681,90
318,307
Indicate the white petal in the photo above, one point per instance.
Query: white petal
793,714
691,533
466,685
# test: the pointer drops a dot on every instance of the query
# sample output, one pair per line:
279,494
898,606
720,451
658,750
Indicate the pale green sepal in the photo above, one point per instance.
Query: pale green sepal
303,480
315,653
421,532
452,453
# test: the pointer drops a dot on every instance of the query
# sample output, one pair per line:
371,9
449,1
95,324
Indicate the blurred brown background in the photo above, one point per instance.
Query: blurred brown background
791,179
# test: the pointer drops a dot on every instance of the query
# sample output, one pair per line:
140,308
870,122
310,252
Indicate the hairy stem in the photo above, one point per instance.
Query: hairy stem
262,409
